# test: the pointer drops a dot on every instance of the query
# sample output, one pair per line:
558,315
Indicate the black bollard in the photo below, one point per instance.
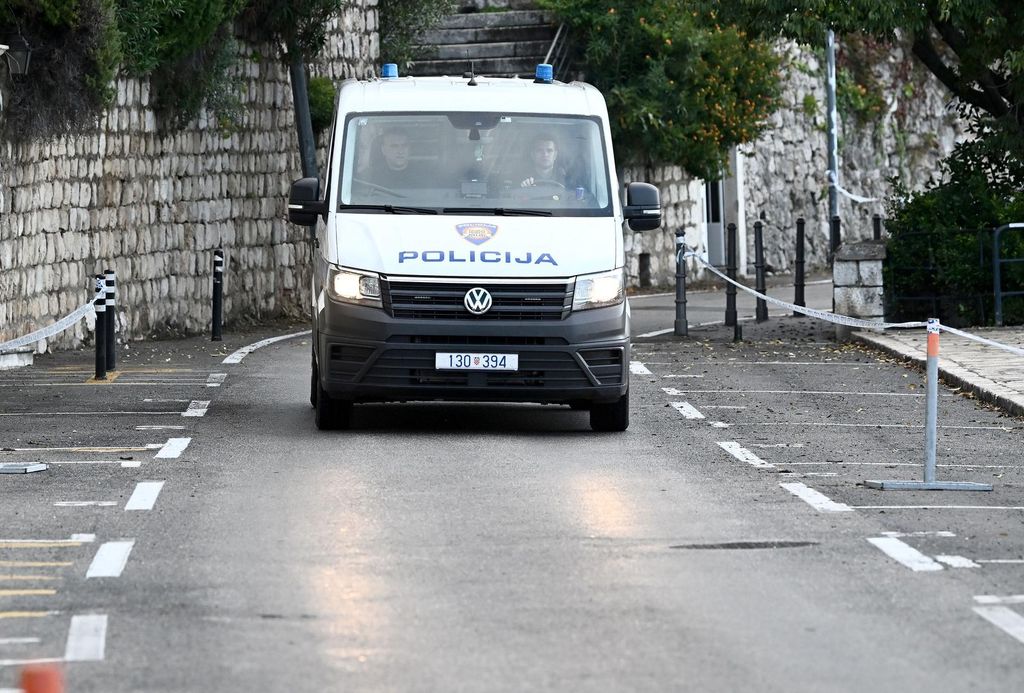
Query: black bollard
877,227
834,239
110,288
218,293
100,304
730,271
798,282
761,311
681,327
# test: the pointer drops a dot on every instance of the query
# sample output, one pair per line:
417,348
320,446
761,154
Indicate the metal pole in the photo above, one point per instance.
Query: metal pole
761,311
110,282
798,284
931,412
680,327
877,227
832,118
833,239
218,293
730,271
100,305
997,280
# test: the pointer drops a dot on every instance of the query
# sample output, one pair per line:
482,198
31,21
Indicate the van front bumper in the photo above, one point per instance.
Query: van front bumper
364,355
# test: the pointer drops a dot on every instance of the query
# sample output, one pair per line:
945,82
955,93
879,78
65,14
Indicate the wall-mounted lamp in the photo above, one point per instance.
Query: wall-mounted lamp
17,53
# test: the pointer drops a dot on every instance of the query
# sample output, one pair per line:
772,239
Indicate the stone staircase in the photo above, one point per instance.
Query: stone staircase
500,43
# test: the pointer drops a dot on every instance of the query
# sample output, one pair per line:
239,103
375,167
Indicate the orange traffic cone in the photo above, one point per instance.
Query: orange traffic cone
42,678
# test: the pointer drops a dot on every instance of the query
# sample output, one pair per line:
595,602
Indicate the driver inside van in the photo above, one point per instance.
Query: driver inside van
544,166
392,168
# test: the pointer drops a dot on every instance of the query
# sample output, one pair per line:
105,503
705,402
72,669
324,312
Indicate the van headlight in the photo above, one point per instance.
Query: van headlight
599,290
347,286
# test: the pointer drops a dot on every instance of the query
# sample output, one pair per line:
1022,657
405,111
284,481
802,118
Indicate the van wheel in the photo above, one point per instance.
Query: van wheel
613,416
314,378
331,414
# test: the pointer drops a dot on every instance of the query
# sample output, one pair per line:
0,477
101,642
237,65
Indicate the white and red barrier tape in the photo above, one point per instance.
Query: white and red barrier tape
50,330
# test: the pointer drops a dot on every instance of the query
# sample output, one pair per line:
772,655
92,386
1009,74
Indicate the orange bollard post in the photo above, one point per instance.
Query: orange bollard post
42,678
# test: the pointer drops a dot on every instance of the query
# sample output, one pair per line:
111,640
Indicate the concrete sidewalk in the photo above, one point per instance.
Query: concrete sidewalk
994,375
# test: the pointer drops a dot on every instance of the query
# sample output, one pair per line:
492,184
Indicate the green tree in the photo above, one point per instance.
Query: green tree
974,47
300,26
681,87
400,22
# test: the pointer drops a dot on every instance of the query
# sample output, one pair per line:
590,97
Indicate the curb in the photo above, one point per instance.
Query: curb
16,358
1010,401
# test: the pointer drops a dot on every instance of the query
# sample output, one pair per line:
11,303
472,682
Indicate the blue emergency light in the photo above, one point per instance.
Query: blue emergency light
389,71
544,74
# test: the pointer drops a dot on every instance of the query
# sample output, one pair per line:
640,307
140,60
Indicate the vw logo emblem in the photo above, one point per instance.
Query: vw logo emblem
478,300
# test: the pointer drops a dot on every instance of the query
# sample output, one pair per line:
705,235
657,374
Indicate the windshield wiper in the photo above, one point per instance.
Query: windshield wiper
392,209
500,211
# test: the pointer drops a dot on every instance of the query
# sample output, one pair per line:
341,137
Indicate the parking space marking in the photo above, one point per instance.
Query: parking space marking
87,638
805,392
122,463
637,368
159,428
656,333
197,408
173,448
18,578
20,641
744,455
35,564
216,379
145,495
687,410
137,448
720,424
817,500
957,561
904,553
1005,429
672,392
996,599
84,504
86,413
723,406
939,507
110,559
682,375
923,533
1003,561
111,377
908,464
34,592
1004,618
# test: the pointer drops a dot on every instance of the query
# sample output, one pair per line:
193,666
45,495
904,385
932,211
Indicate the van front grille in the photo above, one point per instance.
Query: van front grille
444,300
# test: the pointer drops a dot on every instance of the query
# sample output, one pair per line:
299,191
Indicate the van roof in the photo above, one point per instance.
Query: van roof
493,94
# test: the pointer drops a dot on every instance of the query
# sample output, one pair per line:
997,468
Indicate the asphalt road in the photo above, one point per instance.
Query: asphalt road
195,532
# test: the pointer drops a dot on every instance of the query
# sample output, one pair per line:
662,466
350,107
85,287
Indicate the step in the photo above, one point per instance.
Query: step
476,51
497,67
533,32
479,20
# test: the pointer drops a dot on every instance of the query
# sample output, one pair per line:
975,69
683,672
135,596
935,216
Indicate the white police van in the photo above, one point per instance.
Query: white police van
469,247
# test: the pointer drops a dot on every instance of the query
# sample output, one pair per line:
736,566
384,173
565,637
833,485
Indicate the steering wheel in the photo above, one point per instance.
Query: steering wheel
374,188
544,188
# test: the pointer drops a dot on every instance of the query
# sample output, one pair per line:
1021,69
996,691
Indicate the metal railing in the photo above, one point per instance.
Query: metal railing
559,54
997,268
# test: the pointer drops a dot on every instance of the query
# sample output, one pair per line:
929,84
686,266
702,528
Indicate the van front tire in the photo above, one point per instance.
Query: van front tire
612,416
331,414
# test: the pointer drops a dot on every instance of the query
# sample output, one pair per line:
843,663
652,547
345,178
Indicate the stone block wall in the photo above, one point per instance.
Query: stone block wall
857,286
153,205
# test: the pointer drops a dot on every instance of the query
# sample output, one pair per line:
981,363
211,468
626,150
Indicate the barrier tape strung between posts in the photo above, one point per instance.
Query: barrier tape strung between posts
811,312
855,322
50,330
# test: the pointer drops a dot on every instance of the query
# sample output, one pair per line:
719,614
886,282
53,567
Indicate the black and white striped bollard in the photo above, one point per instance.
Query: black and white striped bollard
100,305
218,293
110,282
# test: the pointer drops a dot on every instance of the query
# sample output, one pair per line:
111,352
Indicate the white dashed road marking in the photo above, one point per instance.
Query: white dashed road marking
110,559
197,408
145,495
744,455
637,368
687,410
216,379
904,553
173,448
87,638
1004,618
85,504
817,500
957,561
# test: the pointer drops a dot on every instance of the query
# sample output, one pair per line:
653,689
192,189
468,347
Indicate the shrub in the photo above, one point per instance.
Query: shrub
321,103
940,246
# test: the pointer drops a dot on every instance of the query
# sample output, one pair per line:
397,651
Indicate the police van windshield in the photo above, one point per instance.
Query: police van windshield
463,163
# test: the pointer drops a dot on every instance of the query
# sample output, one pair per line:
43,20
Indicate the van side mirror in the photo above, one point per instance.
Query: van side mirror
643,207
304,203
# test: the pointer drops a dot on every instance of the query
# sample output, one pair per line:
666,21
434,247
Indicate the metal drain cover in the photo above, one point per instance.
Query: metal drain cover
732,545
21,467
